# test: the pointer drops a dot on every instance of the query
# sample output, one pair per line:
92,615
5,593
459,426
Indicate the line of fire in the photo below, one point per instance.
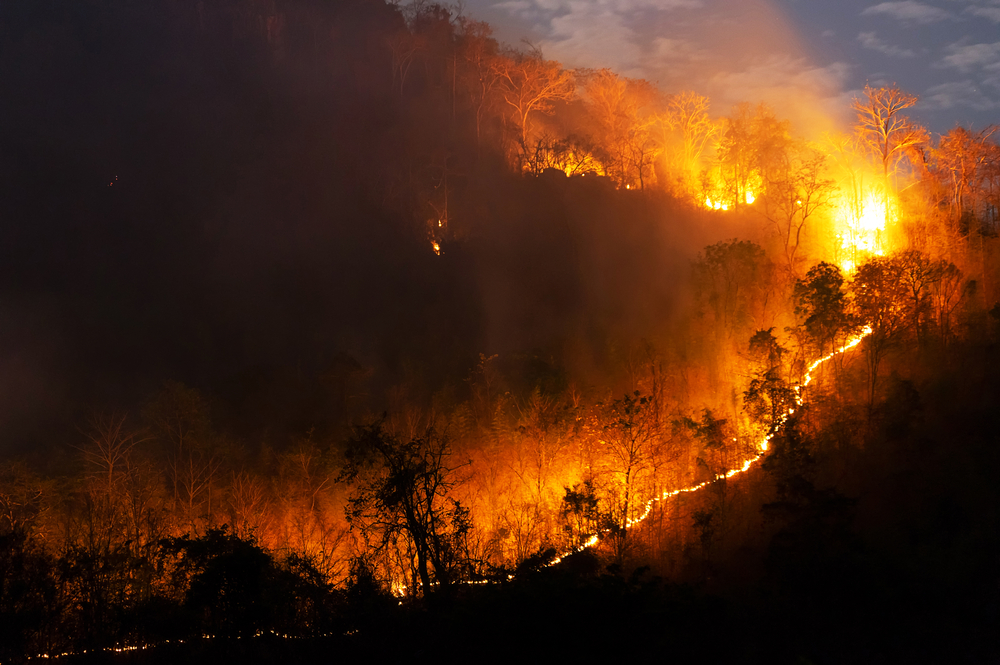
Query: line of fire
361,335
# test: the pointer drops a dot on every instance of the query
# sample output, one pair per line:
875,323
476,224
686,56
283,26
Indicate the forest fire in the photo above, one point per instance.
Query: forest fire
264,420
747,464
863,226
713,204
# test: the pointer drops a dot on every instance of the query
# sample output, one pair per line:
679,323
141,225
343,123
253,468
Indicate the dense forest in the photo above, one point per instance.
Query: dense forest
342,330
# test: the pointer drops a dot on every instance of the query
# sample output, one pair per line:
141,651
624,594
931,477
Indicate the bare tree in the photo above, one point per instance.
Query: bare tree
685,131
792,193
481,73
884,132
530,85
622,119
629,436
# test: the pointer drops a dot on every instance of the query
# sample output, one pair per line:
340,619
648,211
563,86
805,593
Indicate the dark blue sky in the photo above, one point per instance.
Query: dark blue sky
806,57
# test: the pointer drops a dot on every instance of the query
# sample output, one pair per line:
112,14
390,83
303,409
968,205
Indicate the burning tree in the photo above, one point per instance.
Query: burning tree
753,146
884,132
969,163
530,84
619,107
685,131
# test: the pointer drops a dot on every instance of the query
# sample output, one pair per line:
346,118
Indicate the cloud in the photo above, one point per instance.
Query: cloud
965,57
591,36
957,94
990,13
598,33
909,10
522,9
871,42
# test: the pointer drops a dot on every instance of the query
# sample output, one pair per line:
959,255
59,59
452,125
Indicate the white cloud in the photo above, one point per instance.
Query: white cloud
957,94
597,33
523,9
873,43
989,13
591,36
965,57
909,10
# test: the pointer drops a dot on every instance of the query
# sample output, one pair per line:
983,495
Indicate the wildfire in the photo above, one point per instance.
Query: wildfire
863,224
762,450
749,196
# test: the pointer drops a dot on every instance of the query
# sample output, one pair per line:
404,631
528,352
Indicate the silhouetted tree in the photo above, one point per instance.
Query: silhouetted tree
822,303
880,300
629,436
768,397
401,501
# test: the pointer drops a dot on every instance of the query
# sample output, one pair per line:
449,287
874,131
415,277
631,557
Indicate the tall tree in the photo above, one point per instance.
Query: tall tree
822,304
752,149
794,188
963,157
629,436
685,132
885,133
621,110
530,85
880,300
480,72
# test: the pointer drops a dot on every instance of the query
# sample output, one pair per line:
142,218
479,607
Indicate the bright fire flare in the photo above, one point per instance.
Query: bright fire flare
863,227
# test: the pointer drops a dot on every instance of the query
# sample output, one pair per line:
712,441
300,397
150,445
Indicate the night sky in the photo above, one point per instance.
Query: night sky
799,55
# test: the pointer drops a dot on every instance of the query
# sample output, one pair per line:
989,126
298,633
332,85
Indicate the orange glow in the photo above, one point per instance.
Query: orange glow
762,447
861,226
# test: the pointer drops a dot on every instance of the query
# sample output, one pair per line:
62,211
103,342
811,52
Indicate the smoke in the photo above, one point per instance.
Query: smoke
729,50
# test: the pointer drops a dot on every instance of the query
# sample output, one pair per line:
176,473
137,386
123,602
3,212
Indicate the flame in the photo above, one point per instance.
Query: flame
762,447
862,225
436,247
749,196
